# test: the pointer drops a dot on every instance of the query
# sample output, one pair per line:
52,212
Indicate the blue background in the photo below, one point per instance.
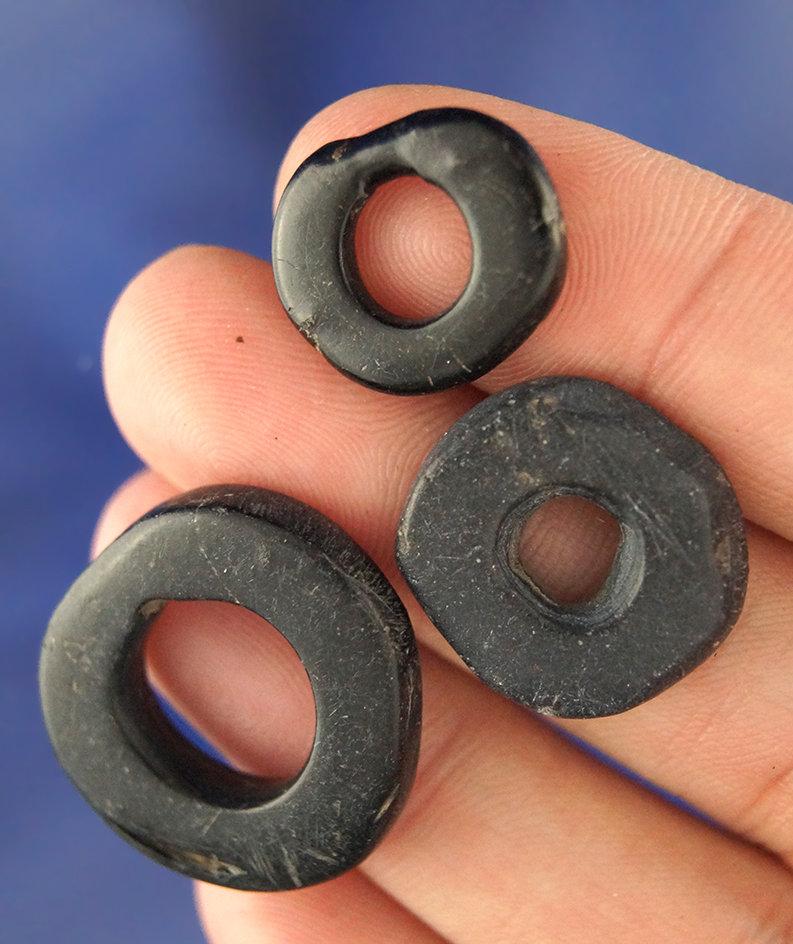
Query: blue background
126,128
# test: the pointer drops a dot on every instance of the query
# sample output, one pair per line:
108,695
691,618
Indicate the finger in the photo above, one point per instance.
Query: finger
536,841
140,493
209,381
679,283
347,910
512,834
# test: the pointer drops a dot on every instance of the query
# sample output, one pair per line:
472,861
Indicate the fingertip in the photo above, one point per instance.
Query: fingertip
139,494
183,355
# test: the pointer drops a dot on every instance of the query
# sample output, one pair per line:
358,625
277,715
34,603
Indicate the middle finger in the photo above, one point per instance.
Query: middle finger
210,382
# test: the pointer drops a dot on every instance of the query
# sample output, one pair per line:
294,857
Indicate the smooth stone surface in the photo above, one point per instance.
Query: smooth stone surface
679,576
286,562
517,234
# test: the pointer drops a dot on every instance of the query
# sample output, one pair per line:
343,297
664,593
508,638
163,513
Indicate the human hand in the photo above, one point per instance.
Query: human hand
679,291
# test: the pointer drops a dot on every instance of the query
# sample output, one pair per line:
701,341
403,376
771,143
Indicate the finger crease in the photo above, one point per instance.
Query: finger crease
664,348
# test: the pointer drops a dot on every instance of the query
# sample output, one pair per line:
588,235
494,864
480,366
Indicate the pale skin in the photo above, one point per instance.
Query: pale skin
680,291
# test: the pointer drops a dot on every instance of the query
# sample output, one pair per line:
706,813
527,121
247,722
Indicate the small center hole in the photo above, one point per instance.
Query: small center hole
233,686
413,248
567,547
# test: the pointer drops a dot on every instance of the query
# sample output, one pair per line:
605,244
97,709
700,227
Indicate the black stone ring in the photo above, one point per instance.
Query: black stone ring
286,562
518,238
678,579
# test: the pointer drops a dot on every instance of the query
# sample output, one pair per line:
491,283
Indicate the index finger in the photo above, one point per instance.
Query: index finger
679,285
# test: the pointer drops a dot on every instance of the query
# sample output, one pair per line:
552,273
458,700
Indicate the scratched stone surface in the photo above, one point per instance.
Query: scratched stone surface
678,580
289,564
518,243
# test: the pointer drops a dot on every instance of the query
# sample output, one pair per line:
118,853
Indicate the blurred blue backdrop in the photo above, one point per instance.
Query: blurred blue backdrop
130,127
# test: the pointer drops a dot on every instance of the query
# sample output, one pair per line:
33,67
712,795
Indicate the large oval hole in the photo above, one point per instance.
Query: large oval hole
232,686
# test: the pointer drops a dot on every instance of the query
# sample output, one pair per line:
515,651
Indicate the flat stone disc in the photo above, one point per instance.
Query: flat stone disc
679,576
281,559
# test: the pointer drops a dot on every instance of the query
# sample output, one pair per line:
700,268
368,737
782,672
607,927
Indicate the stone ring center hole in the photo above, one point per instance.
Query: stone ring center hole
567,547
412,247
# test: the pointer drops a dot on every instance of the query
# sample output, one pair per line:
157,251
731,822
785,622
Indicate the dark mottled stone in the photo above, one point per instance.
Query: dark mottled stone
678,580
286,562
506,197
